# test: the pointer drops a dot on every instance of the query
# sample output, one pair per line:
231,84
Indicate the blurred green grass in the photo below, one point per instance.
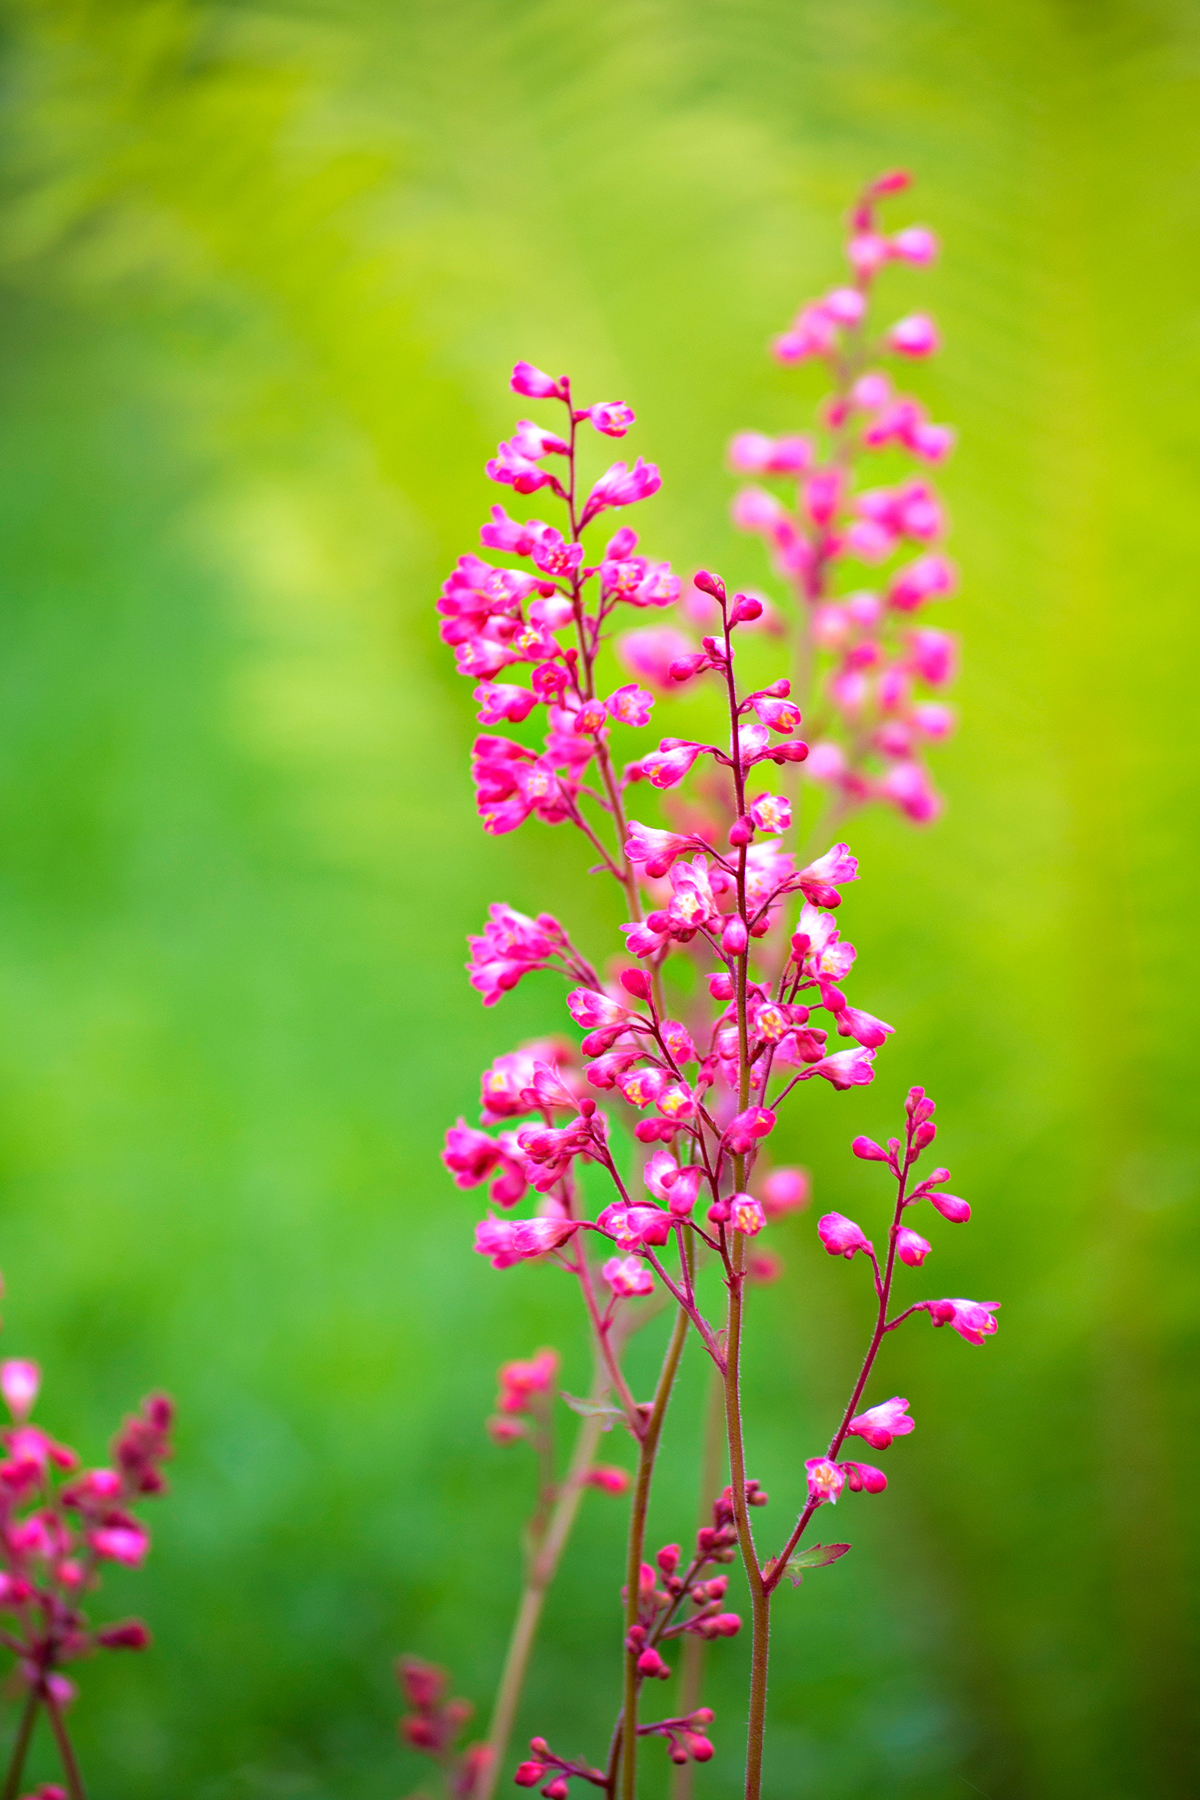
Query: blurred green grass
262,272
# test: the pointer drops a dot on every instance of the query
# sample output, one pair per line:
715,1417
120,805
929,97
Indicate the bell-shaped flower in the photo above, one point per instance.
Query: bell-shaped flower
949,1205
841,1236
504,701
771,812
745,1131
621,486
655,849
844,1069
880,1424
972,1319
642,1087
692,904
911,1247
819,881
863,1027
632,1226
746,1214
661,1169
627,1277
19,1384
509,1241
917,335
611,417
535,384
862,1478
591,1009
631,705
825,1479
512,945
780,715
667,766
520,1381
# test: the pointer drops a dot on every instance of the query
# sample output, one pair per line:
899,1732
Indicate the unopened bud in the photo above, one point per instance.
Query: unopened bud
869,1150
721,986
745,609
734,937
741,832
636,982
709,584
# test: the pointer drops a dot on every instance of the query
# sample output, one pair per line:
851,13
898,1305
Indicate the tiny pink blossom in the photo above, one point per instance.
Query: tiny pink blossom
667,766
608,1479
911,1247
785,1191
841,1236
972,1319
916,335
825,1479
626,1277
746,1214
622,486
950,1207
880,1424
19,1384
632,705
861,1477
745,1130
590,1009
657,850
509,1241
771,812
612,417
915,244
780,715
126,1544
631,1226
864,1027
535,384
504,701
845,1068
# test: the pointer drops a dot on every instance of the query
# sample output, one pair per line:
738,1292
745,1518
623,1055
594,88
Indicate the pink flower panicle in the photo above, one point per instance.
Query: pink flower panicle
735,982
877,722
433,1724
59,1524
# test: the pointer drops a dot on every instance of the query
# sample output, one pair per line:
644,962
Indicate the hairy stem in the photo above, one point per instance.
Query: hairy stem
647,1451
20,1749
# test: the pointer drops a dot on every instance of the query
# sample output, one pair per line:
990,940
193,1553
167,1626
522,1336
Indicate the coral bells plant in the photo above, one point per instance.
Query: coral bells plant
635,1160
59,1525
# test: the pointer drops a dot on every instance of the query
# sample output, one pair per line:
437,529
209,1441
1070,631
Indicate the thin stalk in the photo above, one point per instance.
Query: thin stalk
20,1749
647,1451
66,1749
692,1656
542,1570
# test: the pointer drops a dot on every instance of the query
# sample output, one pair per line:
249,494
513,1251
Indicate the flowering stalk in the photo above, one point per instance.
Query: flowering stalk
715,887
55,1536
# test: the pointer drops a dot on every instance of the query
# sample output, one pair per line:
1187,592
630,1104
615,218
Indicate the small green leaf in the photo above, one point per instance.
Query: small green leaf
594,1409
817,1556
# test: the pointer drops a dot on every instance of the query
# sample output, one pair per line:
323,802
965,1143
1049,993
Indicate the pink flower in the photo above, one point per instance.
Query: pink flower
862,1477
844,1069
657,850
747,1128
509,1241
911,1247
753,453
746,1214
631,705
667,766
785,1191
512,945
867,253
972,1319
780,715
864,1027
126,1544
626,1277
632,1226
19,1384
771,812
915,244
642,1087
908,786
500,701
608,1479
817,881
612,417
841,1236
650,651
950,1207
535,384
928,578
914,336
521,473
825,1479
880,1424
519,1381
622,486
591,1010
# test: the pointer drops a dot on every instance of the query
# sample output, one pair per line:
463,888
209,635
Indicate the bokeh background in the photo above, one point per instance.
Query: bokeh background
263,270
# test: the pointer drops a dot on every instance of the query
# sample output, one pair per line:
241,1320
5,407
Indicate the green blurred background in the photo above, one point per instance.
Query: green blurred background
263,271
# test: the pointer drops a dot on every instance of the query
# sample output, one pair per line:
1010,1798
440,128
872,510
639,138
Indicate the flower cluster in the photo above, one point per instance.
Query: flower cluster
643,1145
884,671
59,1524
433,1724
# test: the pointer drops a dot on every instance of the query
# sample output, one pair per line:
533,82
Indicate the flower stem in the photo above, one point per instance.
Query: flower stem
542,1569
647,1451
691,1660
20,1747
66,1749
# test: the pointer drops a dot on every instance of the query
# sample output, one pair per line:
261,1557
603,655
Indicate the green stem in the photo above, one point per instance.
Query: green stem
760,1600
647,1451
692,1656
542,1569
66,1749
21,1746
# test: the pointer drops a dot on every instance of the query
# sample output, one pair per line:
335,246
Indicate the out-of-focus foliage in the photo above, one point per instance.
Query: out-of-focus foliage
263,269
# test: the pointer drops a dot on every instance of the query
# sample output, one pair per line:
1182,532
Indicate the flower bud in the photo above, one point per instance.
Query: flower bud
650,1663
529,1774
721,986
745,609
741,832
709,584
735,937
869,1150
668,1558
637,983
